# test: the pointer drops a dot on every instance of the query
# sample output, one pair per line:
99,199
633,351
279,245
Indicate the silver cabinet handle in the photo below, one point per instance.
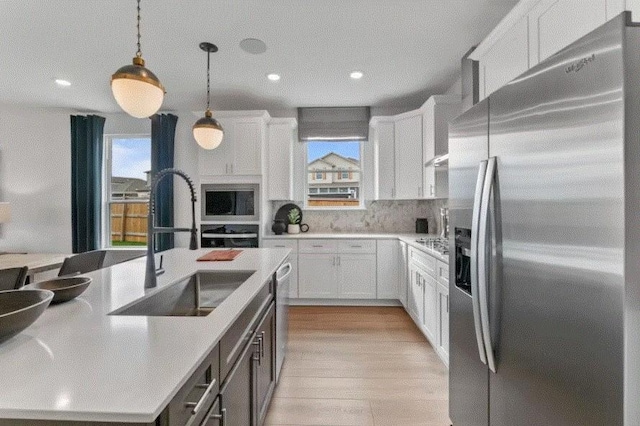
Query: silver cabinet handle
419,191
475,229
356,246
279,246
222,417
334,260
231,165
483,275
338,260
258,343
317,245
198,405
262,344
447,303
431,190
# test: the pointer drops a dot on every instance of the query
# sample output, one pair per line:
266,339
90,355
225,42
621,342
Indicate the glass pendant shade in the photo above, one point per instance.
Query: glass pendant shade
137,90
208,132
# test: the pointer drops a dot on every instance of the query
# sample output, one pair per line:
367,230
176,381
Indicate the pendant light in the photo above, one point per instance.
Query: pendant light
207,131
136,89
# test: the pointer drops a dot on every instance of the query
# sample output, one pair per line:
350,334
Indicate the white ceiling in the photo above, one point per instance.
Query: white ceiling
407,49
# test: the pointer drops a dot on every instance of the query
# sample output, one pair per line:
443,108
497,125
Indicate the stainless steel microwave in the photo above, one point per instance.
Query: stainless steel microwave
230,202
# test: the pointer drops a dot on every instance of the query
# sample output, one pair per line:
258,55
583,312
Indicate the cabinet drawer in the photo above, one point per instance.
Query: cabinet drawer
318,246
423,260
290,244
357,246
238,336
190,404
443,273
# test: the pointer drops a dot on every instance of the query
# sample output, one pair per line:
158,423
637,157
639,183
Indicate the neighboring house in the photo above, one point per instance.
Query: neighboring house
335,177
128,188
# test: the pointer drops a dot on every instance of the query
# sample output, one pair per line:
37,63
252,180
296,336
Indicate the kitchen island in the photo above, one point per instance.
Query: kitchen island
77,363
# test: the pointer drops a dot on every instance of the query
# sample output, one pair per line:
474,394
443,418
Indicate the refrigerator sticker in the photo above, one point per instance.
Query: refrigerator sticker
580,64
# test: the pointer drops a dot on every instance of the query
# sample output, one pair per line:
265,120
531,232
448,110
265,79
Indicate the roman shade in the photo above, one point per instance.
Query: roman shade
333,124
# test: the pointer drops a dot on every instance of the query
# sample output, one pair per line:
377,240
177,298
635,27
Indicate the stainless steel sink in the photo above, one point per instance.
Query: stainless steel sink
195,296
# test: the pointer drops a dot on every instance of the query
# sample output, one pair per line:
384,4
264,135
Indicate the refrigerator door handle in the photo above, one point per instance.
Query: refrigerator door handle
482,262
475,229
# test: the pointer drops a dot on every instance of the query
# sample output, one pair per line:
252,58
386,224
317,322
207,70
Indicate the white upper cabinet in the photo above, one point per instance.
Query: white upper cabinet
408,156
383,131
558,23
537,29
240,152
279,167
438,111
507,59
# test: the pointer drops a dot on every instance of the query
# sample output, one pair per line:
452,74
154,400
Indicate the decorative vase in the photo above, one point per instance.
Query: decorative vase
278,227
293,228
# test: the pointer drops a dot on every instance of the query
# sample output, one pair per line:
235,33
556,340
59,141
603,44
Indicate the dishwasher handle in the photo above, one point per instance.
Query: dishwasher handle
283,272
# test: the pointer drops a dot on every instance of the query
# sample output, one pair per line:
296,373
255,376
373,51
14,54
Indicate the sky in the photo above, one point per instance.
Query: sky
316,150
131,157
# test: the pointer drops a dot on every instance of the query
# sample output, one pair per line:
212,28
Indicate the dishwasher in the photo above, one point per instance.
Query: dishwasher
282,313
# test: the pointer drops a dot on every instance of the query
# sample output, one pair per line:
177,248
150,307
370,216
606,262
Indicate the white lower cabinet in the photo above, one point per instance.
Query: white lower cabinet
357,276
404,274
443,322
430,319
318,275
337,269
389,262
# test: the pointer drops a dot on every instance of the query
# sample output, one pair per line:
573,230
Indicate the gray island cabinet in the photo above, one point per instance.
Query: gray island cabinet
151,370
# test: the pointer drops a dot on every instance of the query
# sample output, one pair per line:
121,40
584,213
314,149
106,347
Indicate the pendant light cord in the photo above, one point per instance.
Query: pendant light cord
208,78
139,52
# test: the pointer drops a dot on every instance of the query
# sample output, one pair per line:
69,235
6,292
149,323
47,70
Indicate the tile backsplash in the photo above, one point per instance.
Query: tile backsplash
379,216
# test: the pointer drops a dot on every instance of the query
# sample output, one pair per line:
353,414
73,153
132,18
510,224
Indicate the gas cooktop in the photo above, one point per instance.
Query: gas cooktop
441,245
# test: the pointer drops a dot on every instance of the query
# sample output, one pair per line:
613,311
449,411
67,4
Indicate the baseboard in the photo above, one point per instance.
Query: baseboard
344,302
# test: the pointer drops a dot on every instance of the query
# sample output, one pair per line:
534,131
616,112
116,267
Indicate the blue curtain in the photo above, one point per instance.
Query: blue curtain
86,181
163,131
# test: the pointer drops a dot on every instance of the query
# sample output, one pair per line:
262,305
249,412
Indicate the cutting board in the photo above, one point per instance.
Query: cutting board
220,255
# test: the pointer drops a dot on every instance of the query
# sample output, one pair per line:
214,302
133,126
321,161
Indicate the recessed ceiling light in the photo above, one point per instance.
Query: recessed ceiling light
273,77
253,46
63,83
356,75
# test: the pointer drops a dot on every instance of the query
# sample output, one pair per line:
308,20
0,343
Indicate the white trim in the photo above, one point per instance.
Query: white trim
518,12
343,302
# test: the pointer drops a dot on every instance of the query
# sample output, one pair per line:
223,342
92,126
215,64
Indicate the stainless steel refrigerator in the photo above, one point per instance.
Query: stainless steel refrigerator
545,239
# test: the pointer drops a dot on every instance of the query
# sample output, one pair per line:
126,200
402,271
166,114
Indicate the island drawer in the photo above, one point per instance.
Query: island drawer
190,404
357,246
318,246
237,337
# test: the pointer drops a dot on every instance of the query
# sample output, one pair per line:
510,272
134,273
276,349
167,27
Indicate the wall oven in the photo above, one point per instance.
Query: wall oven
232,236
230,202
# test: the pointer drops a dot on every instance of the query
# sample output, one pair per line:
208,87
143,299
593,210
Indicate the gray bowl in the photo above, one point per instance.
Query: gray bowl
20,308
63,288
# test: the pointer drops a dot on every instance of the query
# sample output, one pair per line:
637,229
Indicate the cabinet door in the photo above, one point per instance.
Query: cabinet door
389,265
408,162
279,165
443,323
266,369
248,135
317,277
385,155
357,276
237,395
507,59
216,162
555,25
404,274
430,318
415,298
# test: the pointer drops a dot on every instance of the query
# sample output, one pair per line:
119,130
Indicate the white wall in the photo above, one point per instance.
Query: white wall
456,87
35,177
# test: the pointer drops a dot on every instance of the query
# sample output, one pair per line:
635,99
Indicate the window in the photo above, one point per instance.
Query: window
339,168
126,190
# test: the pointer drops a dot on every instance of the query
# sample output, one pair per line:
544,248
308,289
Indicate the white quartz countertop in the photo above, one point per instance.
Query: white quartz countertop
76,362
408,238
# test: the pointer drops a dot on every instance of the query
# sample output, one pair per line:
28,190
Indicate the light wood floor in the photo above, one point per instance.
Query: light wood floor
359,366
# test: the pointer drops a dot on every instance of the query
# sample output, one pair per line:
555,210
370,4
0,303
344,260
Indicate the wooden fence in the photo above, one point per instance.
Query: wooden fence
333,202
129,223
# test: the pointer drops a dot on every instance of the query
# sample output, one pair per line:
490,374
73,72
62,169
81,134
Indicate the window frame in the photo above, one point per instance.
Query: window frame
106,202
361,184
